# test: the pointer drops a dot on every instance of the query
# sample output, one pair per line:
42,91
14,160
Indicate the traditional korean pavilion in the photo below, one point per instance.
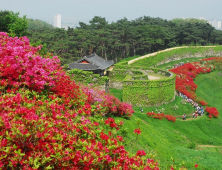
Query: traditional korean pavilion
92,63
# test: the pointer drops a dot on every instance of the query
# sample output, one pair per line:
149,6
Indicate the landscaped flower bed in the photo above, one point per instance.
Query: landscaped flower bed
186,75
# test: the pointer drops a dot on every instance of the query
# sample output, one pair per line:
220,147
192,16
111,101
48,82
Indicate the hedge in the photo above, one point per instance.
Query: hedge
149,92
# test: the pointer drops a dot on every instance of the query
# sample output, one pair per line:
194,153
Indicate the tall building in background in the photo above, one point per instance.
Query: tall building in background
57,20
219,25
216,24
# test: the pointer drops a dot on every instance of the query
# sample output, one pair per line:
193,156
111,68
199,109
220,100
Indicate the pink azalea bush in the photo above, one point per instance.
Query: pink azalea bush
107,103
48,122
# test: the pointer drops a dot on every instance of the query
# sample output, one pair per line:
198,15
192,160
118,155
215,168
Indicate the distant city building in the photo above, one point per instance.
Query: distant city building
57,20
219,25
216,24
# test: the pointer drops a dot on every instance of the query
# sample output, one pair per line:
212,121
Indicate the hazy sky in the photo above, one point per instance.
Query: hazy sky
113,10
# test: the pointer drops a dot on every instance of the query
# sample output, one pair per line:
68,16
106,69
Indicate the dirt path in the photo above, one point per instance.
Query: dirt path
153,77
179,117
208,146
149,76
169,49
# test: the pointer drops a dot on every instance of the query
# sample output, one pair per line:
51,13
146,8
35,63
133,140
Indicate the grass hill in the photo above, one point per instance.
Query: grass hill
183,143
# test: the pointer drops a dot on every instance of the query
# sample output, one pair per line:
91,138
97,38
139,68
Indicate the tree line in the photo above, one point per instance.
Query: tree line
120,39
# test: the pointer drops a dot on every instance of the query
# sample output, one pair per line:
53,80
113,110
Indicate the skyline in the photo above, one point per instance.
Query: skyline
75,11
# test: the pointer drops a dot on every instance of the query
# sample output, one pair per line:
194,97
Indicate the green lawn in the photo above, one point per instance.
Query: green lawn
117,93
179,143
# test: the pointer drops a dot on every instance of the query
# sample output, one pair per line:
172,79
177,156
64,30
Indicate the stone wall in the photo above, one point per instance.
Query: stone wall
149,92
115,84
175,57
104,87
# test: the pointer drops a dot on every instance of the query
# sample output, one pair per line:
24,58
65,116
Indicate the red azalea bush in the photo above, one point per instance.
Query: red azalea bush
213,112
170,118
48,122
161,116
186,74
38,134
215,62
203,103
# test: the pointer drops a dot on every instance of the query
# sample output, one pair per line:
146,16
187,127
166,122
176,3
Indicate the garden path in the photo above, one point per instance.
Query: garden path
149,76
210,146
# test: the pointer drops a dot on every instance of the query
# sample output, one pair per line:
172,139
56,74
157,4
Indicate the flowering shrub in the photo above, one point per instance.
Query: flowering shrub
203,103
45,134
161,116
186,74
137,131
214,62
22,66
213,112
48,122
170,118
107,103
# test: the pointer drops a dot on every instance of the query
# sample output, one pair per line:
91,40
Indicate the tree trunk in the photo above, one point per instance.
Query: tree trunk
105,54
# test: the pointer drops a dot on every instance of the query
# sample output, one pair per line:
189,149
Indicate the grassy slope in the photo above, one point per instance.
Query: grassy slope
181,140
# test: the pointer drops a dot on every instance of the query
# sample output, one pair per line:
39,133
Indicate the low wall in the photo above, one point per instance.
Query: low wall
116,84
175,57
104,87
149,92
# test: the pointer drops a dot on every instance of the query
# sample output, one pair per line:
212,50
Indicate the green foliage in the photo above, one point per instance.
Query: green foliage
118,74
181,21
37,24
140,77
191,145
136,72
121,40
117,93
87,77
11,23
